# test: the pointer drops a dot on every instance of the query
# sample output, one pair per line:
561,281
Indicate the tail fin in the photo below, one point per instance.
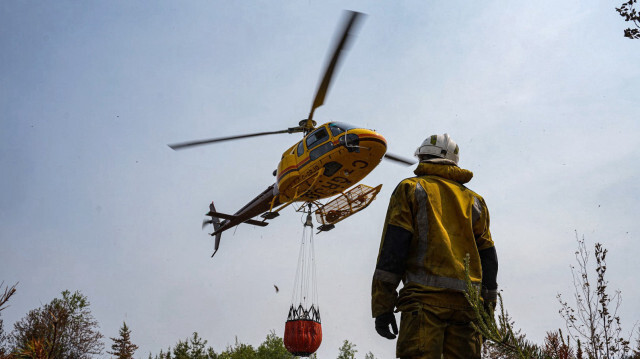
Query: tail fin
214,220
217,244
216,225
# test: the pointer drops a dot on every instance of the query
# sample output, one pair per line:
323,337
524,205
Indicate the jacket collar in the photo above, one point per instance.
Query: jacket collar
445,170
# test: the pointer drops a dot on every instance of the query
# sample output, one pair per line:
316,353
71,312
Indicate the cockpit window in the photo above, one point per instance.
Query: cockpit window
335,130
317,137
339,127
300,149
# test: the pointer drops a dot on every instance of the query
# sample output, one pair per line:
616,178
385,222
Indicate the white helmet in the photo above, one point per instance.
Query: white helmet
441,146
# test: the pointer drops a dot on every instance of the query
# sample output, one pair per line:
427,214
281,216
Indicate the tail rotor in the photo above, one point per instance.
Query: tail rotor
215,221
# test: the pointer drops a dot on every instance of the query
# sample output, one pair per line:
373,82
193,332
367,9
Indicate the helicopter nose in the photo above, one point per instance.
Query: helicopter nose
372,136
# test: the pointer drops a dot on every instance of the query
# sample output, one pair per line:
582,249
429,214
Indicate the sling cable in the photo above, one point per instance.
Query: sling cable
303,329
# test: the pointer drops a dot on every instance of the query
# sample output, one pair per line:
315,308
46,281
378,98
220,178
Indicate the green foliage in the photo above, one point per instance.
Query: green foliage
122,347
191,348
347,350
273,347
195,348
38,348
63,329
503,341
238,351
162,355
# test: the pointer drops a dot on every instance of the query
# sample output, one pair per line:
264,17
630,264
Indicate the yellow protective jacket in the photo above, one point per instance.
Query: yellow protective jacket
433,221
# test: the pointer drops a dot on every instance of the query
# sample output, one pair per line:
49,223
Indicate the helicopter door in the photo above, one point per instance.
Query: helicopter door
287,173
318,143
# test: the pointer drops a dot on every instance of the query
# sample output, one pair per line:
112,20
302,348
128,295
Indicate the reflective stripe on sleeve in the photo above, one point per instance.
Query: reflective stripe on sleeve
388,277
489,294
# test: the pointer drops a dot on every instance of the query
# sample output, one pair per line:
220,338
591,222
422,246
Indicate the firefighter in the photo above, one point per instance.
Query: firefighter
432,223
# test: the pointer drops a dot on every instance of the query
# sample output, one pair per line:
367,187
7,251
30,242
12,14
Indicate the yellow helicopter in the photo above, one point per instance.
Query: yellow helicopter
330,160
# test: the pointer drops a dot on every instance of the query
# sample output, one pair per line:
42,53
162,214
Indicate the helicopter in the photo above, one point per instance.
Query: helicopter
330,160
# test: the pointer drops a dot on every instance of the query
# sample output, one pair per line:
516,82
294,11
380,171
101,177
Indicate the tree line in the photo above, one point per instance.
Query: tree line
66,329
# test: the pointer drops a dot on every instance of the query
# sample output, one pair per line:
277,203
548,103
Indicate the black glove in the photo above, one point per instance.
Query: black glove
382,325
489,296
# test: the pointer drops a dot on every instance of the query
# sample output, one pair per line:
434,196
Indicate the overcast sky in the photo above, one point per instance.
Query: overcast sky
542,98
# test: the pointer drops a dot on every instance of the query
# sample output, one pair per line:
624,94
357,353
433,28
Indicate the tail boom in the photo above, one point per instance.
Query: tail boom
260,204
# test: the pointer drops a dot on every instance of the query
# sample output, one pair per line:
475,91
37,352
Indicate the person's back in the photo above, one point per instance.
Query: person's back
433,223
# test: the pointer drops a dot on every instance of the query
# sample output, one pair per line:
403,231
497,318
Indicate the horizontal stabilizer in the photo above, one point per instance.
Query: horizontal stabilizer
220,215
231,217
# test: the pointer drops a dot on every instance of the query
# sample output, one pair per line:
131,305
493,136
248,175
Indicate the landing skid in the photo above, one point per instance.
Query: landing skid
274,213
269,215
325,228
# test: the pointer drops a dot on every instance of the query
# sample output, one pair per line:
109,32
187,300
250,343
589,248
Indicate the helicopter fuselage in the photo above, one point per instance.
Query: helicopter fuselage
327,161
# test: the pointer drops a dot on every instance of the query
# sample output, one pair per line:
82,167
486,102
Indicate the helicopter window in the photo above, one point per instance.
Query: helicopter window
335,130
326,147
340,127
300,149
317,137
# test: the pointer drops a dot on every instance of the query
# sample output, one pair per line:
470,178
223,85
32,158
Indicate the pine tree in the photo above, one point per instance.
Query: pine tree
122,347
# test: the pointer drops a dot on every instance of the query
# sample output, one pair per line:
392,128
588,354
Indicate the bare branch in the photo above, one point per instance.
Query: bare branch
8,292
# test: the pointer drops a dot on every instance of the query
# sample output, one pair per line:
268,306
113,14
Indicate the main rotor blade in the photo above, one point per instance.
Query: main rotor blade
182,145
342,44
396,158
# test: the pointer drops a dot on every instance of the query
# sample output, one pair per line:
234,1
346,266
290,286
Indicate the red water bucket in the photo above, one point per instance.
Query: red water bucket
302,337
